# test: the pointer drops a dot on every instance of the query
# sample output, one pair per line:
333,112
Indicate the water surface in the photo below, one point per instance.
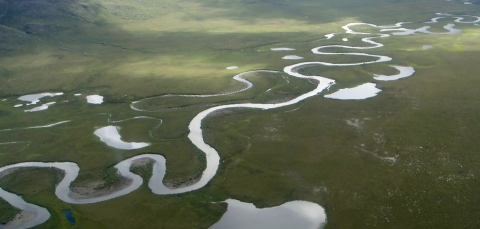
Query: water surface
291,215
282,49
69,216
35,98
404,72
363,91
41,107
94,99
111,137
292,57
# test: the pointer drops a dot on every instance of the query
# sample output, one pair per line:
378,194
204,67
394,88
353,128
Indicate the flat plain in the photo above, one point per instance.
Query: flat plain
407,158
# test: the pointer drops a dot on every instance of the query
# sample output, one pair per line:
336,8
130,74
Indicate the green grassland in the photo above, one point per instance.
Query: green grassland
334,153
8,212
268,87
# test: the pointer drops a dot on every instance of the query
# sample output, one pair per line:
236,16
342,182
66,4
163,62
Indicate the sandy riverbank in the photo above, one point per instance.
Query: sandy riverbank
20,219
87,190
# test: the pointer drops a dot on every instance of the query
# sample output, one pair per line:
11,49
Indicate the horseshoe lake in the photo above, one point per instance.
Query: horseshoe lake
307,114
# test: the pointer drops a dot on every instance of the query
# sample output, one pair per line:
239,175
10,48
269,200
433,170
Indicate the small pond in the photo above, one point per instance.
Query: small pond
69,215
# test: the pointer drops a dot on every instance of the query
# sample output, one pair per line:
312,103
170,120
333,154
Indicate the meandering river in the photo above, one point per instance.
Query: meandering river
195,135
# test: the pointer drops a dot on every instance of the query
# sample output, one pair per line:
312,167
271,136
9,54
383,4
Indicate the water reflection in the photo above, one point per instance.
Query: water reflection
291,215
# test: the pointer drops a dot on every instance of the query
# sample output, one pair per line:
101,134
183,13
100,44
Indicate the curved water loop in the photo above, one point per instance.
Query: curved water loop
239,77
138,117
404,72
195,135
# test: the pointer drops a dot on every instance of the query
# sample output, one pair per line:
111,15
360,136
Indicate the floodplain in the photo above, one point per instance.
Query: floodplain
404,158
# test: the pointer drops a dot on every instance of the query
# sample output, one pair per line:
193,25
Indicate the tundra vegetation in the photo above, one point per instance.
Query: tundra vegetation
407,158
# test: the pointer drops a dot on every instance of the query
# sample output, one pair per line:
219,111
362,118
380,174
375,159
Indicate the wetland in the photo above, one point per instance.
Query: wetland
339,115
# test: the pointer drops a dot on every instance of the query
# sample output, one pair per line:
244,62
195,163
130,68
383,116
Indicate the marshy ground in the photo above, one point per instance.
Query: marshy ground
407,158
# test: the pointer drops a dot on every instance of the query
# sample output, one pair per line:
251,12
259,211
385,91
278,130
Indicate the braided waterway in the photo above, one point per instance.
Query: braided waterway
315,215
